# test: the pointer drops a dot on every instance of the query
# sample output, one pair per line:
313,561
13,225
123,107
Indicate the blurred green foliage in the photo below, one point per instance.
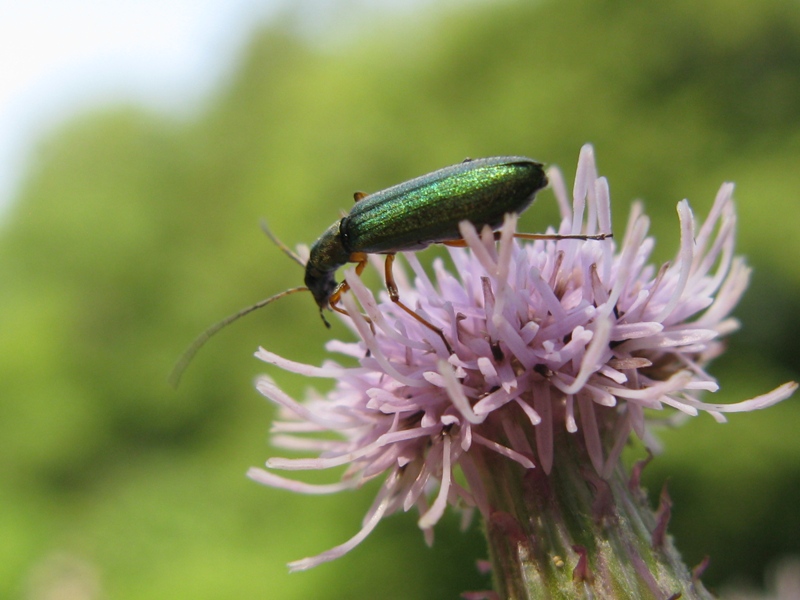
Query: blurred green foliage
135,230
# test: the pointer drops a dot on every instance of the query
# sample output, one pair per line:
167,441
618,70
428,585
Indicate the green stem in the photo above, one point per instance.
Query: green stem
572,534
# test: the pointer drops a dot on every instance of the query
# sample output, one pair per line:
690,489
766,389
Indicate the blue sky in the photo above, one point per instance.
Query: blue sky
59,57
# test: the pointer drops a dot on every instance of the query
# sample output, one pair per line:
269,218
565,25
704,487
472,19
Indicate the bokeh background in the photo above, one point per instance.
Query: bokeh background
134,228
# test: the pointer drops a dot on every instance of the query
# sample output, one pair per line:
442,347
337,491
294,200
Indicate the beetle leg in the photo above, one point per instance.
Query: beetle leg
360,258
357,196
394,294
536,236
557,236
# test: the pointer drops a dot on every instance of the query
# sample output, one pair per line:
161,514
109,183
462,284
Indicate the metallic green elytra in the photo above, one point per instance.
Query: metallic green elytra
423,211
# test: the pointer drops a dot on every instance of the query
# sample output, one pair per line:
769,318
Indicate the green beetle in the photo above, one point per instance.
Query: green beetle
408,217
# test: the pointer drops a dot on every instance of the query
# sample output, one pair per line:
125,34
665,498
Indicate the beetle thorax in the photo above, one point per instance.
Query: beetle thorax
328,253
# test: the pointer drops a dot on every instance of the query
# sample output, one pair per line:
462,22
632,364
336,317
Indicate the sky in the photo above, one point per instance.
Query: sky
60,57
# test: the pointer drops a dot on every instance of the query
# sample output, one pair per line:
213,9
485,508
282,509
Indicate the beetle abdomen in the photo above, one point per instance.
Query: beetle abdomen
426,210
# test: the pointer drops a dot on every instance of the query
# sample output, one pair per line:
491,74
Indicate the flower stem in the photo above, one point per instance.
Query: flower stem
572,534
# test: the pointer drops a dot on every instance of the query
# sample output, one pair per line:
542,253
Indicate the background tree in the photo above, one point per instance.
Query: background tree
136,230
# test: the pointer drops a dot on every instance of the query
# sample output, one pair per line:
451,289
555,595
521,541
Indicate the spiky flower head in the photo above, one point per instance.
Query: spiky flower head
571,334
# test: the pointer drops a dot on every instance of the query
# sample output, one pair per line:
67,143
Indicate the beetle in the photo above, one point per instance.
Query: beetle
409,217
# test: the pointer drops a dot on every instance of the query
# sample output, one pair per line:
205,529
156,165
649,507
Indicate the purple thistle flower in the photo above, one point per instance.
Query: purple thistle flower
551,334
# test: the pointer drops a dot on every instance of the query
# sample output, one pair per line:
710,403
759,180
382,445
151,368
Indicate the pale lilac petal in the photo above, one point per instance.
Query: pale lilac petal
759,402
684,258
456,393
329,371
596,349
584,181
267,387
342,549
560,191
532,415
630,331
298,464
504,450
670,339
569,417
430,518
266,478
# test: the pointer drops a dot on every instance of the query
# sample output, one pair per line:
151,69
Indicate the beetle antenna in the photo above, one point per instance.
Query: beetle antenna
283,247
186,358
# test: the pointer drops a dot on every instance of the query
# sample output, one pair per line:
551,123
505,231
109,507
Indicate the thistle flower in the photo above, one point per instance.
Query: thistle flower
548,337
